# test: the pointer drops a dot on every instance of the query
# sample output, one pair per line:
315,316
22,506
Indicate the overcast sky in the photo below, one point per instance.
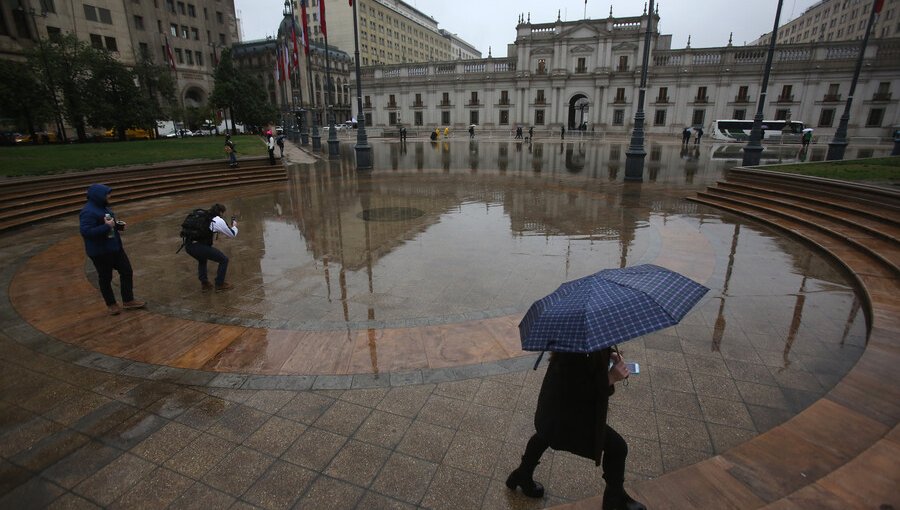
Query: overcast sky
491,23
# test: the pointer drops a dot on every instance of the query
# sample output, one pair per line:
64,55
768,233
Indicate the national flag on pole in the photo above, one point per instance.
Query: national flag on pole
304,34
351,2
286,56
169,56
322,18
277,70
296,51
878,5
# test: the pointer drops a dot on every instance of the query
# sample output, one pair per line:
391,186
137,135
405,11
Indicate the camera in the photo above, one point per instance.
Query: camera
120,225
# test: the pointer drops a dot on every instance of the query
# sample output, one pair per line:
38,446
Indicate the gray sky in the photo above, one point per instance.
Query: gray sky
485,23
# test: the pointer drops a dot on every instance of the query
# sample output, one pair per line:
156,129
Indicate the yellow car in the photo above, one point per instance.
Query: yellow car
42,137
130,134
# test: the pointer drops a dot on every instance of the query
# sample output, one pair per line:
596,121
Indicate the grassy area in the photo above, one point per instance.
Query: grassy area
871,169
48,159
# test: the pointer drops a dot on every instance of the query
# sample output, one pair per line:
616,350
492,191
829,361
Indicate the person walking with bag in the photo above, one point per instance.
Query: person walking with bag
571,416
103,245
270,144
232,153
198,231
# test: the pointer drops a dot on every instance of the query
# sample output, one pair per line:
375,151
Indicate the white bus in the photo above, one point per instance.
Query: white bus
739,130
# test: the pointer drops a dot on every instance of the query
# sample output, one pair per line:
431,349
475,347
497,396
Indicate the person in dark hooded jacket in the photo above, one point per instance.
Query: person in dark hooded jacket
571,416
103,244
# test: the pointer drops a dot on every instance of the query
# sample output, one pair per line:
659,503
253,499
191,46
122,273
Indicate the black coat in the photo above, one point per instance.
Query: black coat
573,403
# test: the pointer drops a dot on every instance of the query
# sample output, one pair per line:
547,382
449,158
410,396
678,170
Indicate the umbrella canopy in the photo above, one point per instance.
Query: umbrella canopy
808,130
607,308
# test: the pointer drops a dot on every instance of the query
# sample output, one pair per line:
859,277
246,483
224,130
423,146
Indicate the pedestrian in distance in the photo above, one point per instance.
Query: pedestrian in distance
699,135
806,137
446,132
270,145
279,140
518,132
686,136
230,150
471,131
103,244
531,132
571,416
197,232
562,132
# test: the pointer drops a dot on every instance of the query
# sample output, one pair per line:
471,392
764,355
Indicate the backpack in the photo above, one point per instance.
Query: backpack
195,228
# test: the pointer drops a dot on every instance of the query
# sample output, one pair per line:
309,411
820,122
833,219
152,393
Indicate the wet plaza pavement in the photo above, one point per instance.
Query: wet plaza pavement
368,357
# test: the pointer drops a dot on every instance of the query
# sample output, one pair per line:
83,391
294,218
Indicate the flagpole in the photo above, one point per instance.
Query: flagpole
363,149
316,139
333,143
300,113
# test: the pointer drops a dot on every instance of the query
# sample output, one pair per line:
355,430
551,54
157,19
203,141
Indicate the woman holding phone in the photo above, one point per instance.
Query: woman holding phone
571,416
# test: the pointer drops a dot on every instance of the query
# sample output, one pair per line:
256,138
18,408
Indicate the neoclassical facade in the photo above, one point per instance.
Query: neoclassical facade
587,72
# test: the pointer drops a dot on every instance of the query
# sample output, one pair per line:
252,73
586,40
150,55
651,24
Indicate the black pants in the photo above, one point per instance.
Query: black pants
203,252
272,156
615,450
105,265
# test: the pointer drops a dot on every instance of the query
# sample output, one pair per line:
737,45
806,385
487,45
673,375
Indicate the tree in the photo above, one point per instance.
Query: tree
241,94
114,98
158,87
68,64
23,98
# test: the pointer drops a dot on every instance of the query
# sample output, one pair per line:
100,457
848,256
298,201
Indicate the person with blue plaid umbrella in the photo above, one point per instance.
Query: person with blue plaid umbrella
571,416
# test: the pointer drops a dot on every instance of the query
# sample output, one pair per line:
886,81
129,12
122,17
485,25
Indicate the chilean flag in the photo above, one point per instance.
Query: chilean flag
322,17
296,53
878,5
304,34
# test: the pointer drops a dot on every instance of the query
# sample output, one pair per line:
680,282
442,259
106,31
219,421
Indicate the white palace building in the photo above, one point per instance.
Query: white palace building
587,73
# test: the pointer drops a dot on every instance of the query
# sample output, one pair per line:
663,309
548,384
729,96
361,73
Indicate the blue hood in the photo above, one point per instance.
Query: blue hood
97,194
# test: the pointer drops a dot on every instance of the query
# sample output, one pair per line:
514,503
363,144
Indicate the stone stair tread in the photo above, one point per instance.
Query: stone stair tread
868,220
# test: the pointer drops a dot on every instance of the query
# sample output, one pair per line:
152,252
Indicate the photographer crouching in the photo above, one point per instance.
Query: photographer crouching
197,232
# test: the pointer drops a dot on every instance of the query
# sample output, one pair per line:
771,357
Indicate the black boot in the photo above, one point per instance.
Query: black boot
523,477
620,500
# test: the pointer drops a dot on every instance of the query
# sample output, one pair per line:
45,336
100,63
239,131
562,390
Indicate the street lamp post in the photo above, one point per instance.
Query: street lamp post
753,149
838,144
634,156
333,143
300,113
362,147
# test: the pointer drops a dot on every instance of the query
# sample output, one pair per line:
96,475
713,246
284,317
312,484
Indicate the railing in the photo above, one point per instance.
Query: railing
418,71
785,99
474,102
445,102
418,104
445,69
831,98
841,52
367,104
581,69
392,104
474,68
793,54
705,59
742,99
621,69
627,25
881,96
540,100
750,57
701,99
504,102
619,100
391,73
662,99
540,71
502,67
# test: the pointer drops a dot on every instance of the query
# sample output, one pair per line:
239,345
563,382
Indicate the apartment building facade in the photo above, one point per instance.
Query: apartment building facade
837,20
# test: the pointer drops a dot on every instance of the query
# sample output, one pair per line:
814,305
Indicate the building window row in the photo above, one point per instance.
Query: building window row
98,14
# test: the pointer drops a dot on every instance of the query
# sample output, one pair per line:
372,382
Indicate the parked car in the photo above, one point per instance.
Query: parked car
8,137
130,134
42,137
176,134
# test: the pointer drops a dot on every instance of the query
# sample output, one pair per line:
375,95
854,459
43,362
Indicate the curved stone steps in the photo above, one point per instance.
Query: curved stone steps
797,220
66,193
874,225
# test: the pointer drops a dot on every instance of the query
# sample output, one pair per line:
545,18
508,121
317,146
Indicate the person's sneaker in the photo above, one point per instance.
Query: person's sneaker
133,304
221,287
114,309
206,286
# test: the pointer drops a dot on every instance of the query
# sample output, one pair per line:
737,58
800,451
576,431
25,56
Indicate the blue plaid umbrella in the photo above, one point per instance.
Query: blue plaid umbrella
607,308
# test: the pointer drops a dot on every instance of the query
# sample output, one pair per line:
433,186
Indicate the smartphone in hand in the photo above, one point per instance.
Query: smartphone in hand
633,368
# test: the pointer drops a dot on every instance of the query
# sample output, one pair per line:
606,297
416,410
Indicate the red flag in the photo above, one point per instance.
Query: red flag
169,56
305,32
322,17
878,5
351,2
296,52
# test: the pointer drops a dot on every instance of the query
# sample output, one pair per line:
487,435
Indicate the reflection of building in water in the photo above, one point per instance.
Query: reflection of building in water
330,206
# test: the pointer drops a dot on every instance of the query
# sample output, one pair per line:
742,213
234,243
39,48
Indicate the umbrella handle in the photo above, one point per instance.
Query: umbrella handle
540,357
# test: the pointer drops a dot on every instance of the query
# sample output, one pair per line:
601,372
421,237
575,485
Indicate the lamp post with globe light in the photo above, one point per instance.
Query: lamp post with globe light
753,149
634,156
362,147
296,109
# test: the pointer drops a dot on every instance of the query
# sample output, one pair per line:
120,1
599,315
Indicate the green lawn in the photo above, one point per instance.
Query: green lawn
872,169
48,159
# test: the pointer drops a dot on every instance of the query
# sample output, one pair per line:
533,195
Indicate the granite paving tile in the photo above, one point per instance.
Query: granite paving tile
383,429
202,497
453,489
405,478
357,463
237,471
80,464
275,436
327,494
11,476
314,449
306,407
114,479
280,487
475,454
238,423
343,418
35,493
201,454
162,444
156,490
69,501
442,410
426,441
375,501
406,400
490,422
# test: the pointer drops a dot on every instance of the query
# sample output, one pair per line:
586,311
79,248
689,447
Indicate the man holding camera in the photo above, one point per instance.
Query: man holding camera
201,248
103,244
